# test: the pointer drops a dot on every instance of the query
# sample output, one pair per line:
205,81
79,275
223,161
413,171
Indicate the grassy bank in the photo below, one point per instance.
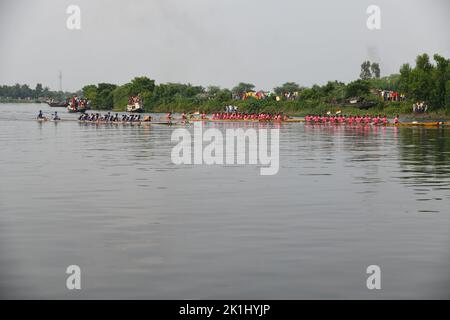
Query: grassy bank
291,108
300,108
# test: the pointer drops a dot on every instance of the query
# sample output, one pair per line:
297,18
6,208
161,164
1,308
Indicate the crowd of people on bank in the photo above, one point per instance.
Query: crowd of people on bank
231,108
134,99
260,95
420,107
388,95
287,96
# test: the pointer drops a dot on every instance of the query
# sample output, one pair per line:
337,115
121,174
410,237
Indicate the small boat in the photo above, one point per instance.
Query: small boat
71,109
49,120
134,108
77,105
422,124
135,105
57,104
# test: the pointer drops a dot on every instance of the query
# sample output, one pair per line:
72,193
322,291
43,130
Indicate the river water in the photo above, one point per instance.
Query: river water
109,199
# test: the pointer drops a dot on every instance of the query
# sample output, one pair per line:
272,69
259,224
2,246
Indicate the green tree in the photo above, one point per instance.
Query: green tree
121,94
38,90
447,98
242,88
46,92
192,91
288,87
423,63
140,85
308,94
90,92
421,80
224,95
405,78
105,99
25,91
213,91
357,88
365,71
441,76
375,69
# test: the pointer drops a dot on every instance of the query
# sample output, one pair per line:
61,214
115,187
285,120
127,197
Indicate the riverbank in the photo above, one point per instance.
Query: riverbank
303,108
291,108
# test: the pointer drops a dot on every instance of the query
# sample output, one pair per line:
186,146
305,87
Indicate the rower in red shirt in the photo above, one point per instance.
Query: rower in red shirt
350,120
375,120
396,119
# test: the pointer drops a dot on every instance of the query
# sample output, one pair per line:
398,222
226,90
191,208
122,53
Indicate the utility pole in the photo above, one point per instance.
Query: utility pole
60,81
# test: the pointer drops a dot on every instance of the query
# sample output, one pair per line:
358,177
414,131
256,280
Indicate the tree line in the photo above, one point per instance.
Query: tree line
24,91
427,82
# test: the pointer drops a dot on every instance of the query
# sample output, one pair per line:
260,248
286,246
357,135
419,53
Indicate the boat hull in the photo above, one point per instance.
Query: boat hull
57,104
70,110
132,109
126,122
135,108
249,121
136,111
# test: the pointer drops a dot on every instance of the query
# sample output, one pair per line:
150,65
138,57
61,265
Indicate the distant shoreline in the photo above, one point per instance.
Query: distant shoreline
19,101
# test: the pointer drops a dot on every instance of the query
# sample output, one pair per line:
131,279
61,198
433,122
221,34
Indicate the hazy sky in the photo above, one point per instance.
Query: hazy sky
213,42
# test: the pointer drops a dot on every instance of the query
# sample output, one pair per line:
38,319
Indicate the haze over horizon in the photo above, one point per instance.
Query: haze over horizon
264,42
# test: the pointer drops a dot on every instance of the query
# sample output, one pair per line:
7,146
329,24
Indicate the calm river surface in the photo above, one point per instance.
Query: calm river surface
109,199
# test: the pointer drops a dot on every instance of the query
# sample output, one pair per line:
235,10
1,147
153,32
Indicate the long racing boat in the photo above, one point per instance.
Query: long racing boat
400,124
242,120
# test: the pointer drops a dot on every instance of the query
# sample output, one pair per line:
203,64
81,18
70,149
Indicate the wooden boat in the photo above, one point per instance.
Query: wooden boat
421,124
77,105
429,124
390,124
72,109
135,108
242,120
400,124
135,105
57,104
45,119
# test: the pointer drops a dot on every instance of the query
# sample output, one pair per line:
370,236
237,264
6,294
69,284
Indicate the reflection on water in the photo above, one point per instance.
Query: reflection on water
425,163
108,198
